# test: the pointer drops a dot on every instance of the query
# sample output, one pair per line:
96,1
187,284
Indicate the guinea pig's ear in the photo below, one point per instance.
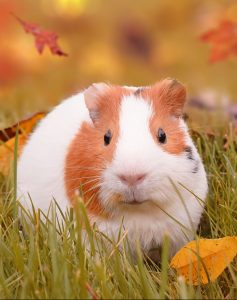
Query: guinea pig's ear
172,94
92,95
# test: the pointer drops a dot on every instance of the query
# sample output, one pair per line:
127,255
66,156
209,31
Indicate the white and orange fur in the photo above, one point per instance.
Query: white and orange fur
156,189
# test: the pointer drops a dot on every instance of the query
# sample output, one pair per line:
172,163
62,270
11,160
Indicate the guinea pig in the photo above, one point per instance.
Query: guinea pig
130,152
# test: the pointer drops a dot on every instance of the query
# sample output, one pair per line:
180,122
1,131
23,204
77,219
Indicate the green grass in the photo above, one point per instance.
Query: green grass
49,260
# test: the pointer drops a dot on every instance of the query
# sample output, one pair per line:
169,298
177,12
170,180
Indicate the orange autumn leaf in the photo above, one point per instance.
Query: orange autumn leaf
25,126
223,40
205,259
7,153
7,140
43,38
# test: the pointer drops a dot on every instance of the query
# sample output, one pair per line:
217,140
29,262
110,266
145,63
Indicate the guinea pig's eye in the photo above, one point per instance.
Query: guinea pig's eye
107,138
161,136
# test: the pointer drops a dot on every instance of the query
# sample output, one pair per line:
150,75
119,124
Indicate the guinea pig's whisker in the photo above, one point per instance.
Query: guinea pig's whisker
83,168
90,181
96,180
92,188
81,187
88,177
79,178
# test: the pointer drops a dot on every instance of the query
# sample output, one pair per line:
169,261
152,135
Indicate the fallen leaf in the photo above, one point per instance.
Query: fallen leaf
25,126
205,259
42,37
7,153
7,140
223,40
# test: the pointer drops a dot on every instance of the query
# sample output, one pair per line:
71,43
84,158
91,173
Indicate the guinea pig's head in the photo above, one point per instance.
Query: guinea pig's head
134,149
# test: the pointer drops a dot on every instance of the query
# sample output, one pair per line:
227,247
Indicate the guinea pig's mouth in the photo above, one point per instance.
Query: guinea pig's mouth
133,198
134,202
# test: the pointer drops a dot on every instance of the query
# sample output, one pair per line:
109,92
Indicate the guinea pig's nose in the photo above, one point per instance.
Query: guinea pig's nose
132,179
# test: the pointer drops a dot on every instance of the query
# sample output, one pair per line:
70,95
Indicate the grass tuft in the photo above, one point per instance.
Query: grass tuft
71,259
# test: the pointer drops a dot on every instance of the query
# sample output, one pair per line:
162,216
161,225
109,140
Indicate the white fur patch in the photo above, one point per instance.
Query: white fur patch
42,163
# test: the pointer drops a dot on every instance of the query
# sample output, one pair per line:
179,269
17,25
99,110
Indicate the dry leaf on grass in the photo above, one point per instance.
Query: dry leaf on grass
7,140
205,259
7,153
25,126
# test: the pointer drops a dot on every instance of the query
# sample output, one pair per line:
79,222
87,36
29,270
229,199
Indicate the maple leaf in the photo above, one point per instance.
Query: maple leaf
204,260
223,40
43,38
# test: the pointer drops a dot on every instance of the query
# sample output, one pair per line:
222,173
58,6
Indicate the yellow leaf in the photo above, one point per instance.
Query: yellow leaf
25,126
7,140
7,153
205,259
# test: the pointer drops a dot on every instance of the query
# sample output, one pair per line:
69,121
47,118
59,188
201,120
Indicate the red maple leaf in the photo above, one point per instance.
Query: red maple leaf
223,41
42,38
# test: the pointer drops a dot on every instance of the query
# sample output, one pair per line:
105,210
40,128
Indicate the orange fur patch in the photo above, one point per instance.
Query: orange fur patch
88,156
168,98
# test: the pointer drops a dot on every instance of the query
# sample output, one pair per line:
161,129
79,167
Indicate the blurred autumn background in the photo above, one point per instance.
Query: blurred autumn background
123,42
